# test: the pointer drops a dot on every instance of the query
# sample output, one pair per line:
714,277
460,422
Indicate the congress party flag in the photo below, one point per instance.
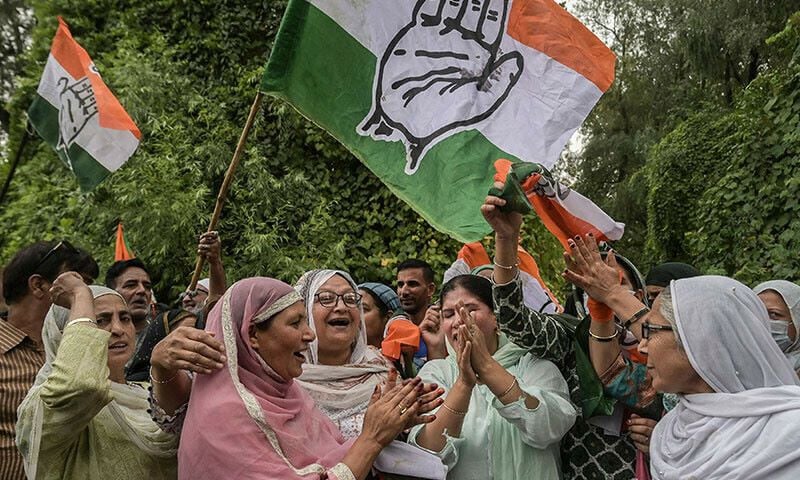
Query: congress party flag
429,93
563,211
76,114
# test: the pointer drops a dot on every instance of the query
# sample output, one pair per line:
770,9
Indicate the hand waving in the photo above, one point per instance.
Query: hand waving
442,72
586,269
504,224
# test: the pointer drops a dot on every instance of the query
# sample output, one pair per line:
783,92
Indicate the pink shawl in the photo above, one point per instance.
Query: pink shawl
244,421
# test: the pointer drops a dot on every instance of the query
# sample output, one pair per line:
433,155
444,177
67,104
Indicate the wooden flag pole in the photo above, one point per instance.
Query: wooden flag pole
24,141
226,184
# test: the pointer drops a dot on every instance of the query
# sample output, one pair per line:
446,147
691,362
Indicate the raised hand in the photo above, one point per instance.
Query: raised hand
442,73
66,287
209,247
187,348
432,333
479,353
587,270
504,224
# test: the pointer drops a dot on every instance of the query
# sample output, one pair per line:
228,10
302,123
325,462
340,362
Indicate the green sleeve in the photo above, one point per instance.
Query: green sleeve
544,335
78,386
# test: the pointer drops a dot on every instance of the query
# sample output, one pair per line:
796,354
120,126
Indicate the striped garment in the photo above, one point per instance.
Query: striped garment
20,360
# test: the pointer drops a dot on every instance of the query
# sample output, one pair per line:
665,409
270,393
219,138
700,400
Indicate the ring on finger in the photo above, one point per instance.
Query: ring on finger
403,409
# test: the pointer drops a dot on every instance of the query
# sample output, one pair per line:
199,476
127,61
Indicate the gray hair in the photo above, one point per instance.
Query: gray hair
668,313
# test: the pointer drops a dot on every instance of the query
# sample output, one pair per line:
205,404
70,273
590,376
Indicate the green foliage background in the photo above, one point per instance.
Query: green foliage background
187,73
695,147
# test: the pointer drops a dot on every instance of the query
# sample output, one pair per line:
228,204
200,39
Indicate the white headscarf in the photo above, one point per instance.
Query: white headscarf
128,407
339,388
748,427
790,293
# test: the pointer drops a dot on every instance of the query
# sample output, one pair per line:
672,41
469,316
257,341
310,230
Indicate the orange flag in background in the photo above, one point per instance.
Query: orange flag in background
121,251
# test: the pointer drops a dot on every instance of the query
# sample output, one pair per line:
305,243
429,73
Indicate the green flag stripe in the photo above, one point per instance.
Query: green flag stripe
327,76
44,118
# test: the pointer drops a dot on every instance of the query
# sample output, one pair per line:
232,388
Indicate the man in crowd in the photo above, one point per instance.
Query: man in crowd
26,288
131,279
415,287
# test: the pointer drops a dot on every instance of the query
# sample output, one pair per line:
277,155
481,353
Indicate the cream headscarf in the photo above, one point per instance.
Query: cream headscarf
747,428
339,388
129,406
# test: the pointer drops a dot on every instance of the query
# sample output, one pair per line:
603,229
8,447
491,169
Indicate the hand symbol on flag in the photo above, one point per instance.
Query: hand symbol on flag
78,105
441,74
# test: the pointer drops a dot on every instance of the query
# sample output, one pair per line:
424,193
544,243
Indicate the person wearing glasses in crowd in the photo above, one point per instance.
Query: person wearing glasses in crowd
27,279
708,340
341,369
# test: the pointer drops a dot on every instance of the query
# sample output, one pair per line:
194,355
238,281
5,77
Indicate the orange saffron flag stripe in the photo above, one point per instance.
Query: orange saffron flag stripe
474,254
74,59
545,26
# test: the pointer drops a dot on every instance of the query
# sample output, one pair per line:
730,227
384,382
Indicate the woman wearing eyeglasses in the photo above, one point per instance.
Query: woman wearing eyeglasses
708,340
342,370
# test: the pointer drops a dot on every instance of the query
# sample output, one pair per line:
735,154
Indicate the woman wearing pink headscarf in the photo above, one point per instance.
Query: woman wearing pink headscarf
250,420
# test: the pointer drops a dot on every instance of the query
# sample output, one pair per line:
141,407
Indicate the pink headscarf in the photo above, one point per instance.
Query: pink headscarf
244,421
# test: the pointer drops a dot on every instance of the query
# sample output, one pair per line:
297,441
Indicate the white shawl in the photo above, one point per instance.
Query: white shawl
339,388
748,427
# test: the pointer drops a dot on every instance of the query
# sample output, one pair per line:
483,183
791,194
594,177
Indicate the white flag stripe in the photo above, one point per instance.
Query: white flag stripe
533,123
109,147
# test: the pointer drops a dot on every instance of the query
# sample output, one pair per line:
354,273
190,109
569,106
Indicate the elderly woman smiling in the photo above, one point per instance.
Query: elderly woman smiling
342,369
707,339
250,420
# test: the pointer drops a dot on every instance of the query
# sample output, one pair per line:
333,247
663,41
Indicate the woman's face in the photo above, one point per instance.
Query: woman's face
338,325
482,313
284,343
113,316
777,310
667,364
375,322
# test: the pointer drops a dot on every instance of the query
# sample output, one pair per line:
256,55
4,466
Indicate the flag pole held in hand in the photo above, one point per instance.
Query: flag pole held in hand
226,184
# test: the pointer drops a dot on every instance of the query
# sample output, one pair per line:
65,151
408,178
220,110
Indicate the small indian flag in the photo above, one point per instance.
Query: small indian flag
429,93
76,114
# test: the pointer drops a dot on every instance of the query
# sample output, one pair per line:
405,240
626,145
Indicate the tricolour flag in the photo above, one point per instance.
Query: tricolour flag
563,211
429,93
77,115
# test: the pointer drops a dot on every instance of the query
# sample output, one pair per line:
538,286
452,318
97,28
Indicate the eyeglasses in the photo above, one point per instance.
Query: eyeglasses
63,244
331,299
648,328
194,293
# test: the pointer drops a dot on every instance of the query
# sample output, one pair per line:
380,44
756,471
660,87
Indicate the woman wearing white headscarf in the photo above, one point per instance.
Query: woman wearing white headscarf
707,339
342,370
782,299
81,419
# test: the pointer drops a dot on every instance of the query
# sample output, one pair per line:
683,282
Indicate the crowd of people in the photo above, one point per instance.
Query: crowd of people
672,375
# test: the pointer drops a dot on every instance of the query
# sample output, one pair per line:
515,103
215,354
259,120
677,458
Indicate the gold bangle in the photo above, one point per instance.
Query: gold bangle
604,339
453,410
506,267
153,380
80,320
508,390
